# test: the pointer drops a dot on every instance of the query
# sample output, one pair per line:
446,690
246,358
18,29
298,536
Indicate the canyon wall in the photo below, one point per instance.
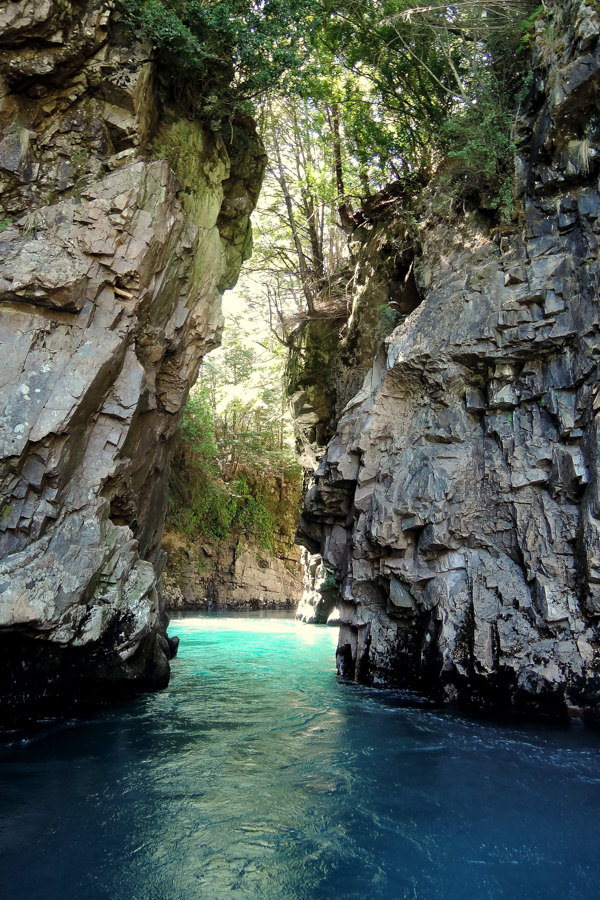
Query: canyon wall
234,574
122,221
457,507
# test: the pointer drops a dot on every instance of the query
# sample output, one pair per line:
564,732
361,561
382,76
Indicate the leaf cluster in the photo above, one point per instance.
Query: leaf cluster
480,152
221,54
428,67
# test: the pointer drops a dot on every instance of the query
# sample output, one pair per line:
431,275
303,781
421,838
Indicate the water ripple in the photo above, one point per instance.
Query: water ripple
257,774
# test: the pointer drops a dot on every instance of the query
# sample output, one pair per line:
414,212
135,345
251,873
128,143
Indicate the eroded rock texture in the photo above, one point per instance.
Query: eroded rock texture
234,574
121,224
459,502
330,357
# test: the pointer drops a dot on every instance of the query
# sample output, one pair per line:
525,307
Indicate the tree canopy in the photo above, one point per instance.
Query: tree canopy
394,69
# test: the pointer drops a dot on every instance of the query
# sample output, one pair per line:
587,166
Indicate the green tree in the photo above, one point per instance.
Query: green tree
238,360
423,63
234,470
222,54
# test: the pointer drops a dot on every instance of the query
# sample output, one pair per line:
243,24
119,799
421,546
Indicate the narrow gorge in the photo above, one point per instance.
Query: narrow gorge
451,524
299,484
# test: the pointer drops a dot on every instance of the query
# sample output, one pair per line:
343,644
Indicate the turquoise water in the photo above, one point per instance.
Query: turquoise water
257,775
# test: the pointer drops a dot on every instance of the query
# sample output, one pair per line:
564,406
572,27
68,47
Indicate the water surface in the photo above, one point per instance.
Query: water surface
256,774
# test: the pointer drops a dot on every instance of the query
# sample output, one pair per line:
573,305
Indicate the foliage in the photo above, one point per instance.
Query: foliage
198,502
300,242
233,471
388,319
480,151
222,53
422,63
396,70
238,361
197,428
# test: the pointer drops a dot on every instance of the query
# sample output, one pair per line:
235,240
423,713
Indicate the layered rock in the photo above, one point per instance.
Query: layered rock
458,503
235,574
122,222
318,603
331,352
330,357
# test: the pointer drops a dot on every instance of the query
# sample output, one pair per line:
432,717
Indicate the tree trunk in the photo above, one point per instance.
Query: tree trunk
344,207
305,278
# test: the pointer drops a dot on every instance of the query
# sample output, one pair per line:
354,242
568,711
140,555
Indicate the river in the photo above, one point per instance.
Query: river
257,774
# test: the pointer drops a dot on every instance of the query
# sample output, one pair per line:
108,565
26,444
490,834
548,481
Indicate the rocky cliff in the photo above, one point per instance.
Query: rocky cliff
121,223
230,574
458,505
330,357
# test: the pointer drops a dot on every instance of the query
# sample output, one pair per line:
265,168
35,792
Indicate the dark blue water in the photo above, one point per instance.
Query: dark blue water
257,775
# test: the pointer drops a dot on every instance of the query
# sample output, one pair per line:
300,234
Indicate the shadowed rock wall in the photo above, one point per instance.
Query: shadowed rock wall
458,503
330,357
121,223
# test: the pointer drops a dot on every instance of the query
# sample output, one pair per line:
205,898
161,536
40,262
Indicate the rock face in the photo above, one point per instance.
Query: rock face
121,224
331,356
230,575
318,604
459,502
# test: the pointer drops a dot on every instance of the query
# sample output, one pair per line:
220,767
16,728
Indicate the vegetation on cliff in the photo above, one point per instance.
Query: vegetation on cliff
219,57
349,95
386,77
234,472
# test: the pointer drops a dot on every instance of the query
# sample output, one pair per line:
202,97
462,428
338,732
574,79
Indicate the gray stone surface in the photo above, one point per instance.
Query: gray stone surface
318,604
232,574
117,238
458,502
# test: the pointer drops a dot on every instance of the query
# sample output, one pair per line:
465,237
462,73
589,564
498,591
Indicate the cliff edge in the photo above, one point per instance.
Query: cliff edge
458,503
122,221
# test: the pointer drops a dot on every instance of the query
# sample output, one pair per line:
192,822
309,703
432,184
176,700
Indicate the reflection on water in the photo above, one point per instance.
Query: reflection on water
256,774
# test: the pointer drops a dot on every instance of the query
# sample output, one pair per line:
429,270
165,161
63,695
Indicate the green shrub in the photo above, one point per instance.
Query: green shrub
253,513
225,482
222,54
478,143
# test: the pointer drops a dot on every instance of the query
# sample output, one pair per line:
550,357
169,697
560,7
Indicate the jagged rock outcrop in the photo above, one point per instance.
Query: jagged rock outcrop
458,503
329,357
233,574
330,353
121,223
318,603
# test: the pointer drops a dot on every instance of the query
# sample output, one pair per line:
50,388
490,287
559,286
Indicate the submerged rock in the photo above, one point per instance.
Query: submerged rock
458,502
121,224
